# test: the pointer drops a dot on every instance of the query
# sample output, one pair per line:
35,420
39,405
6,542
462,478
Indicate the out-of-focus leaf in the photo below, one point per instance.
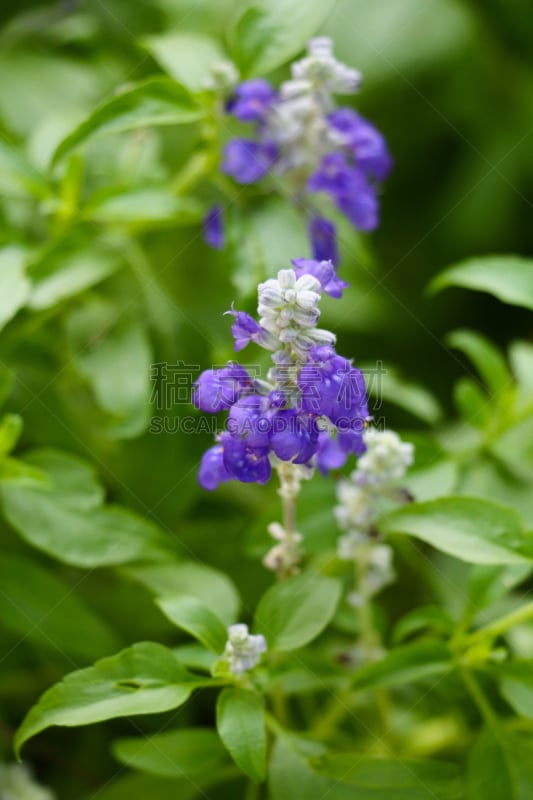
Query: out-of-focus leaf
378,37
406,664
521,358
210,586
472,403
185,753
143,679
192,616
156,101
387,384
294,612
501,766
473,530
11,426
67,269
18,177
241,726
61,515
267,33
15,286
144,207
431,618
36,605
516,685
115,358
376,778
509,278
186,55
126,787
487,584
485,356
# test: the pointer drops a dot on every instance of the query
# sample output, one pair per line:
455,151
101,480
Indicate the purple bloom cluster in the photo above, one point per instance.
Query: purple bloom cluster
298,130
313,409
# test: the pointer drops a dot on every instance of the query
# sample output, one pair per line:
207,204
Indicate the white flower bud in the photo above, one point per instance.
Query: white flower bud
243,651
385,460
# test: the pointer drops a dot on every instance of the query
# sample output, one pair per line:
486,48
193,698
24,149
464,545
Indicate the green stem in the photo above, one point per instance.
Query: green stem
478,695
501,625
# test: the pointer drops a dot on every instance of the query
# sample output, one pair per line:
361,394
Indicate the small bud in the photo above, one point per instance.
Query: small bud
243,651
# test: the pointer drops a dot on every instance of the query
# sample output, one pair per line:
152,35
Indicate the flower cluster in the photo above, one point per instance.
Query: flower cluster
243,651
311,410
375,479
301,134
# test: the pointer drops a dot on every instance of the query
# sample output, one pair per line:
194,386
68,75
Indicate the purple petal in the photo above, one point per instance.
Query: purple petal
252,100
247,161
213,228
323,271
218,389
244,463
323,237
212,469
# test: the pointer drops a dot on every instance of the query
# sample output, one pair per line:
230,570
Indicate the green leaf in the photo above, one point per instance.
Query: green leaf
192,616
15,286
241,726
143,679
357,776
376,778
69,268
36,605
509,278
501,766
473,530
407,664
185,753
11,426
71,477
433,618
187,56
146,207
487,584
126,787
486,358
516,685
214,589
48,517
389,385
116,364
472,403
294,612
267,33
521,358
18,177
156,101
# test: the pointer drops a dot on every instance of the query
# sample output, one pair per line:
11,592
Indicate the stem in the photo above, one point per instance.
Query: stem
501,625
478,695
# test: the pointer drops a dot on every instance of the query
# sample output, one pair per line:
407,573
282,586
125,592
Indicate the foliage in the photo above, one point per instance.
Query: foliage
119,577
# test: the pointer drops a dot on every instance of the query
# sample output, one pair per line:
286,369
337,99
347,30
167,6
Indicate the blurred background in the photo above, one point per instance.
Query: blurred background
126,282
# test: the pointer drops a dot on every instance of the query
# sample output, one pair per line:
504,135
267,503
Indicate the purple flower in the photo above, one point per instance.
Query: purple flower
246,329
251,418
218,389
333,452
351,191
294,435
366,143
212,469
213,228
323,271
332,387
244,463
323,240
252,100
248,161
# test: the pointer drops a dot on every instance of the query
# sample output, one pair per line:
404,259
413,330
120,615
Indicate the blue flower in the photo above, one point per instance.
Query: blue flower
213,228
246,329
219,389
294,435
365,142
212,470
323,237
332,386
244,463
251,100
248,161
349,188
